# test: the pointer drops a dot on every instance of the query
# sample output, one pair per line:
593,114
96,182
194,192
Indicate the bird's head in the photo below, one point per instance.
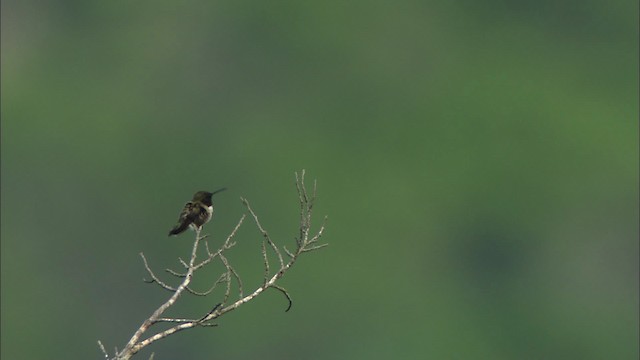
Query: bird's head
205,196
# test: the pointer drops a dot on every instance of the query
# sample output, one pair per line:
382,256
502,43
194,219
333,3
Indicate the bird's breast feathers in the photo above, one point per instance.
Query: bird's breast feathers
209,213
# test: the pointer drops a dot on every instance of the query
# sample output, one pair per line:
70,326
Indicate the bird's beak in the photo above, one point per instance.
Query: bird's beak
219,190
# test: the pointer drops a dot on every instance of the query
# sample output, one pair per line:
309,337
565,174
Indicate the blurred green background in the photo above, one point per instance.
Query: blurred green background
478,162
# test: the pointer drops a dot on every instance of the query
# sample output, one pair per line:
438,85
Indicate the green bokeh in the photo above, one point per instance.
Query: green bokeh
478,163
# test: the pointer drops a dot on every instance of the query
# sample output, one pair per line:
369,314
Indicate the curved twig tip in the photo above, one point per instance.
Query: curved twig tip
286,294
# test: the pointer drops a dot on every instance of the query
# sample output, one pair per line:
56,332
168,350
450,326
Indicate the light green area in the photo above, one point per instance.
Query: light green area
478,162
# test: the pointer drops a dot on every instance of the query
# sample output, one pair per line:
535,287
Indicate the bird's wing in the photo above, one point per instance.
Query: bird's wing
187,216
189,213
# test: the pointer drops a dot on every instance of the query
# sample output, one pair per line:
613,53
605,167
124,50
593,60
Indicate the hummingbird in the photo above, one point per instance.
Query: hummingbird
196,212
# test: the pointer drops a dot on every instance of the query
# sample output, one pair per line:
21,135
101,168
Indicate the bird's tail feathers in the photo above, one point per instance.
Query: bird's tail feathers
179,228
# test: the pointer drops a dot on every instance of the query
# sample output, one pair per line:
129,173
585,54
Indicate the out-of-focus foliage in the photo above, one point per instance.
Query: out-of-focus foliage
478,162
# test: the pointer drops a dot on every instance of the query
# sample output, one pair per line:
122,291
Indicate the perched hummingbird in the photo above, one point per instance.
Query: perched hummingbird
196,212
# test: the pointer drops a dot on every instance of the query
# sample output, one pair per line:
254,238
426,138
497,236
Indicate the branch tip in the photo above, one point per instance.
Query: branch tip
104,351
286,294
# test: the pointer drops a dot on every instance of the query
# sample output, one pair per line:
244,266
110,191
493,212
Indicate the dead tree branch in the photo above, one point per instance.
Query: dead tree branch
305,242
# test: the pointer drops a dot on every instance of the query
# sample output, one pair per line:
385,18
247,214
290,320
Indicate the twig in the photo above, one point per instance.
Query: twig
104,351
286,293
264,232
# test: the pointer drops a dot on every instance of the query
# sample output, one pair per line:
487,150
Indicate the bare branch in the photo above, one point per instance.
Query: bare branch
210,312
288,252
264,232
306,249
233,272
304,243
228,244
265,258
174,320
154,278
197,293
176,274
227,279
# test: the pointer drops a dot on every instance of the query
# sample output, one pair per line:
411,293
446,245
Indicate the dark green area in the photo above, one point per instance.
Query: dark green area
478,162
